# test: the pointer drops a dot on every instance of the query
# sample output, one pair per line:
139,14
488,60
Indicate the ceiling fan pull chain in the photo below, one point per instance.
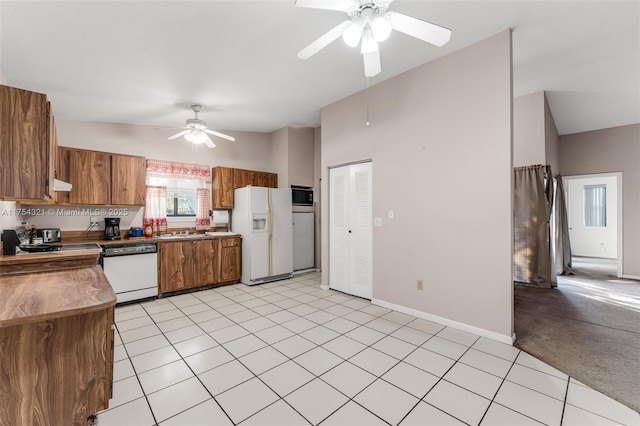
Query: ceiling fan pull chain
367,101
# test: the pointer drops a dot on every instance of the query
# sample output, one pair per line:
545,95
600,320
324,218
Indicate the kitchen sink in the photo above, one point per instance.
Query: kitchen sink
206,234
171,236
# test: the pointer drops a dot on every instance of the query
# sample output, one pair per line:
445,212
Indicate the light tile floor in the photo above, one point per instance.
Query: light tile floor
289,353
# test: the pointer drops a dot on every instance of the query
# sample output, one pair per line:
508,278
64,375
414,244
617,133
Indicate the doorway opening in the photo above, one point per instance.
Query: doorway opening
594,211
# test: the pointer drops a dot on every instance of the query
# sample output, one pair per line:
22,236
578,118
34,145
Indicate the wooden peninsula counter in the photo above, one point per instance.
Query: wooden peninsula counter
56,343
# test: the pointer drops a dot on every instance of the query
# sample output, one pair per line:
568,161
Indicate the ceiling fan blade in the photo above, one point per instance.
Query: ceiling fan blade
371,63
209,142
324,40
342,5
423,30
169,128
220,135
177,135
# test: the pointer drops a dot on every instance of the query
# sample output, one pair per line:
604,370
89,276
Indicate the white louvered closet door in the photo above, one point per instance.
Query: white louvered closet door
339,229
350,239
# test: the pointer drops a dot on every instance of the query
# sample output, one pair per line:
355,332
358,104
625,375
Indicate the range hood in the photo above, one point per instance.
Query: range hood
61,186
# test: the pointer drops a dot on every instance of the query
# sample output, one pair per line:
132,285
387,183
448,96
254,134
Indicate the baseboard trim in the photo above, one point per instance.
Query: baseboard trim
631,277
502,338
304,271
324,287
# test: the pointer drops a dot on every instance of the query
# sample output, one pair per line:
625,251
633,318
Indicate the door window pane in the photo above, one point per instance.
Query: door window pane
595,205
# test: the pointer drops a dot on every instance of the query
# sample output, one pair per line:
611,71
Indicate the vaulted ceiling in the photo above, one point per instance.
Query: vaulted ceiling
145,62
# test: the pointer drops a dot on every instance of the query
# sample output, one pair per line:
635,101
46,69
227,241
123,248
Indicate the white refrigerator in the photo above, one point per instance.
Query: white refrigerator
264,218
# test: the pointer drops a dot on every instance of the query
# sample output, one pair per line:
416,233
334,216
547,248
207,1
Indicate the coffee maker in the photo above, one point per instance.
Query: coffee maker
111,228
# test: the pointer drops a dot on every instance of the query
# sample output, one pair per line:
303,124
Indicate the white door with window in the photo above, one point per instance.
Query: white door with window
593,219
350,234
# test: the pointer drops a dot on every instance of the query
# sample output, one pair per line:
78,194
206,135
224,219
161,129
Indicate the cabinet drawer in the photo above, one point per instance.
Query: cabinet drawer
230,242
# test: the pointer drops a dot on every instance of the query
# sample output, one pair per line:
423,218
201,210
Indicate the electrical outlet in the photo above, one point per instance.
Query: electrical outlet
94,221
419,285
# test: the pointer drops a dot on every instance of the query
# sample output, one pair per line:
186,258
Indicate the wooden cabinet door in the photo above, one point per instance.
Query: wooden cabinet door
273,180
175,266
128,180
242,178
229,255
110,329
261,179
205,262
222,188
90,174
24,125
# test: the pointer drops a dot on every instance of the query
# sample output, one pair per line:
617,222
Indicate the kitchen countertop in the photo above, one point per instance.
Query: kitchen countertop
156,239
47,261
26,298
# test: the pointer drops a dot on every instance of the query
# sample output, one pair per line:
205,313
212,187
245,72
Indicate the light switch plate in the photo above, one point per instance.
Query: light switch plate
377,222
390,214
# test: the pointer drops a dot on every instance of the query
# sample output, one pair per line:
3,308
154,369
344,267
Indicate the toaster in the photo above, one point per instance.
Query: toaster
49,235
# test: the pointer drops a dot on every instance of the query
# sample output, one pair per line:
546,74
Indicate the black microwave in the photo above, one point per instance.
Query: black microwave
301,195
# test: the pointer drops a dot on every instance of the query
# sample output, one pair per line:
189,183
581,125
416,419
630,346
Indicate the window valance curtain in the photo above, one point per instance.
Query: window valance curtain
175,170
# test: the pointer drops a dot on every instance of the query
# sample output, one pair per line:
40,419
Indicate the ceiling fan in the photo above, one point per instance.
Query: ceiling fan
197,131
369,23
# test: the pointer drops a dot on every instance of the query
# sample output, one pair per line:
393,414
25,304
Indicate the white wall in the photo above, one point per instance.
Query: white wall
587,240
292,156
280,155
440,141
535,137
606,151
251,150
317,194
551,140
301,150
528,130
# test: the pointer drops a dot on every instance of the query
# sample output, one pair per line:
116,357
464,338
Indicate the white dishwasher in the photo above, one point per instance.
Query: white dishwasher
132,270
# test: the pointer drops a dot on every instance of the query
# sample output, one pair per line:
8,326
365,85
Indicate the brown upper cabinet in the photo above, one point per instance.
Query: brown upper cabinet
222,187
128,180
27,145
90,174
101,178
226,179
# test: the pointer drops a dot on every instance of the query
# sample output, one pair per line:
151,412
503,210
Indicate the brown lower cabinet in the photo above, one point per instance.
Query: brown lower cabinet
229,259
189,264
56,340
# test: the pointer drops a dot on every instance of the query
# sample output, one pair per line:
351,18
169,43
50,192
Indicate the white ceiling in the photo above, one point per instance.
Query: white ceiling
145,62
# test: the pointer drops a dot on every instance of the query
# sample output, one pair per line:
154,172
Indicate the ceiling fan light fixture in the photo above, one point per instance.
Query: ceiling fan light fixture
353,34
369,43
199,137
381,28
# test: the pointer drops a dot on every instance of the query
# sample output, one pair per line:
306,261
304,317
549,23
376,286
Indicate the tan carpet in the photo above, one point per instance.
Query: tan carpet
588,328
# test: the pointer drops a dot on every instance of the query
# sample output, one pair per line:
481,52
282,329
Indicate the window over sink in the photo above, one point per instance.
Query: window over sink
178,194
181,203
